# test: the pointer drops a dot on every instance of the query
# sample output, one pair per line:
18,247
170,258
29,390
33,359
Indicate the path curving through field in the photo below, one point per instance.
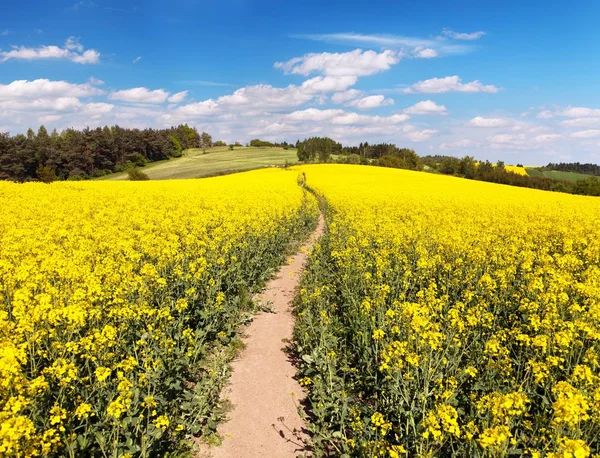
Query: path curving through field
264,421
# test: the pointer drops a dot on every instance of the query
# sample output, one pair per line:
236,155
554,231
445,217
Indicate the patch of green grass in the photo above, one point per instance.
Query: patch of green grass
195,163
555,174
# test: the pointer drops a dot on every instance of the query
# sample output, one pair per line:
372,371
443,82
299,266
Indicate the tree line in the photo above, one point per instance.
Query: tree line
81,154
588,169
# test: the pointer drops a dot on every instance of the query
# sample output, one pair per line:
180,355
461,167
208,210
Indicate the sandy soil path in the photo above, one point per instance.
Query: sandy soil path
264,421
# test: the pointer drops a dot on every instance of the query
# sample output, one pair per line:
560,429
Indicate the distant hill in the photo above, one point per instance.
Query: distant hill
195,163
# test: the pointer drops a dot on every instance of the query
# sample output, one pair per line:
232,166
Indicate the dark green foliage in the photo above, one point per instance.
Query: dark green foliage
219,143
81,154
231,147
205,141
588,169
317,149
588,186
177,151
136,174
46,174
261,143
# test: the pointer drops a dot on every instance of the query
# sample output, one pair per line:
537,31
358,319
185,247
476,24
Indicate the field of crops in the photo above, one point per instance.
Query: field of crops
196,164
448,317
515,169
555,174
115,299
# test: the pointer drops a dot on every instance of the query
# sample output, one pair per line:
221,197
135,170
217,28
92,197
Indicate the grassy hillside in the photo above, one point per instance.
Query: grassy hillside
196,164
555,174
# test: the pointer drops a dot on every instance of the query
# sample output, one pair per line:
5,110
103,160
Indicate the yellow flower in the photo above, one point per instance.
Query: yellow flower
161,422
82,411
378,334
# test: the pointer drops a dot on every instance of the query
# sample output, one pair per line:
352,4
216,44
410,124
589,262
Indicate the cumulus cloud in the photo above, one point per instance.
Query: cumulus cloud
424,53
581,122
73,50
46,119
545,114
99,108
314,114
461,35
480,121
140,95
371,101
580,112
426,107
416,135
329,83
353,63
547,138
44,88
591,133
178,97
341,97
449,84
465,143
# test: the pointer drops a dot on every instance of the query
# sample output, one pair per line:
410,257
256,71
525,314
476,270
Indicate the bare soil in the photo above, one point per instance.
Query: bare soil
264,420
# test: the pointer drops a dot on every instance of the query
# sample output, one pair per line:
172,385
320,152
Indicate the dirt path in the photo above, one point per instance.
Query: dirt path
264,421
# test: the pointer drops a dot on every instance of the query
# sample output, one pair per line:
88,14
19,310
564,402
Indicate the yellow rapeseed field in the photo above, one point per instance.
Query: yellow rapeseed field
446,317
515,169
113,297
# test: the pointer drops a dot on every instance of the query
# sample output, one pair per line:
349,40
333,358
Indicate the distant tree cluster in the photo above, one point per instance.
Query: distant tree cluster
588,169
468,167
81,154
317,149
262,143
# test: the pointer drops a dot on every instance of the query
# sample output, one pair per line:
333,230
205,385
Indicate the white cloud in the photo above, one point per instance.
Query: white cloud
195,110
425,53
592,133
462,36
581,122
401,42
49,118
73,44
465,143
426,107
41,104
73,50
329,83
353,63
371,101
140,95
547,138
581,112
136,60
480,121
95,81
449,84
314,114
178,97
99,108
415,135
506,139
355,118
45,88
341,97
545,114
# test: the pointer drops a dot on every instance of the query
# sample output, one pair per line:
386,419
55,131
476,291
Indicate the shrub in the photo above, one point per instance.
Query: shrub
136,174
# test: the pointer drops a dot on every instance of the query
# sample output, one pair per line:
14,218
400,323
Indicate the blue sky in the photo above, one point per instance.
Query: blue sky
509,80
